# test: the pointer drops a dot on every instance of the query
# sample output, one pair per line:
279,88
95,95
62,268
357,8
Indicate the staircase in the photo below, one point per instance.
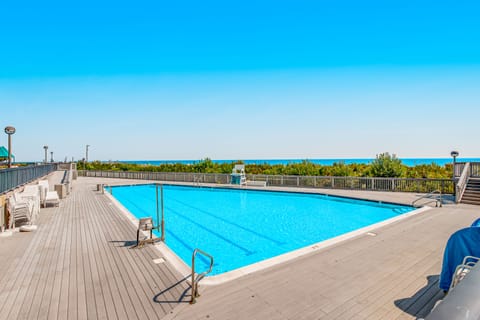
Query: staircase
472,192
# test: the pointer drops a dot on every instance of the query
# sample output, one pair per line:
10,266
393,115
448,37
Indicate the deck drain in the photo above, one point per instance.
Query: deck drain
371,234
159,260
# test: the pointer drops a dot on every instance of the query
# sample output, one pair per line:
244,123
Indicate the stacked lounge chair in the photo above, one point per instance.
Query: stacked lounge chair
48,197
20,210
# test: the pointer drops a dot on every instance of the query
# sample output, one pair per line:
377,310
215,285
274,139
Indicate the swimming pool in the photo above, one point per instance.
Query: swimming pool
240,227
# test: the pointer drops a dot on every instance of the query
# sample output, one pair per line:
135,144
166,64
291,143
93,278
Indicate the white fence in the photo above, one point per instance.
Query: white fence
352,183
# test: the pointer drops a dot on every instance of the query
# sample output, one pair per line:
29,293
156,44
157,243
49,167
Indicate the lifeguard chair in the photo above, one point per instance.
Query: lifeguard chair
238,175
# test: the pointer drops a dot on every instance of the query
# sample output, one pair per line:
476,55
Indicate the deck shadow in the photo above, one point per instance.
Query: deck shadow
181,299
124,243
423,301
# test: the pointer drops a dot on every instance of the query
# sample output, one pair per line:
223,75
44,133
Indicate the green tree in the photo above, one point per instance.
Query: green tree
386,165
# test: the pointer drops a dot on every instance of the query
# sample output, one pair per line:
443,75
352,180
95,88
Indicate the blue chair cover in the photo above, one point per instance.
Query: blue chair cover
464,242
476,223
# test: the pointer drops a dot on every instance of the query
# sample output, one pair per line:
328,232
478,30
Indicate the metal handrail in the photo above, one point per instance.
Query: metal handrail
200,276
15,177
426,196
160,208
462,183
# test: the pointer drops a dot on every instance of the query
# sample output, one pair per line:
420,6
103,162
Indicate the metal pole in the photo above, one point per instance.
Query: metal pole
46,157
194,285
163,214
86,153
9,150
454,182
157,206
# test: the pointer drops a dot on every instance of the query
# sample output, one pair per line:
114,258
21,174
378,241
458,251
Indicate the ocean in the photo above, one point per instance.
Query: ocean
411,162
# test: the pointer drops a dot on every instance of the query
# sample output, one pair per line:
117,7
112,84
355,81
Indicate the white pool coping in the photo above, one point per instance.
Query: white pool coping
185,270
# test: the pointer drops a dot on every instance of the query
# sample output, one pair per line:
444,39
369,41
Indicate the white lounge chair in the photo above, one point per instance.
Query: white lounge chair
32,193
20,210
46,195
461,271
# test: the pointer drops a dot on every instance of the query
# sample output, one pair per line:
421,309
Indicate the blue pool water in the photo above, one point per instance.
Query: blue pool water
240,227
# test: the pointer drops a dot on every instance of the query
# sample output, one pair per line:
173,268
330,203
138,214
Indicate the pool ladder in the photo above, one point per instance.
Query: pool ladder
438,202
197,277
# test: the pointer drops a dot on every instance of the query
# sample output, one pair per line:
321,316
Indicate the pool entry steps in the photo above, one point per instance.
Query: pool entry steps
146,225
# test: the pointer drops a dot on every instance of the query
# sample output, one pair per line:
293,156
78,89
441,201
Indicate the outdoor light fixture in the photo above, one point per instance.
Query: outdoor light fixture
86,152
454,154
51,156
46,157
9,131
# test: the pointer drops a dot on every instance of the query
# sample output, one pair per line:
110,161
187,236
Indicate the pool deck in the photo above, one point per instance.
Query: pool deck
80,264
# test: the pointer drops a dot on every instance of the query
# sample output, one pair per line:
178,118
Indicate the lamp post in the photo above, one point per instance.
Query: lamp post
86,152
9,131
454,155
51,156
46,157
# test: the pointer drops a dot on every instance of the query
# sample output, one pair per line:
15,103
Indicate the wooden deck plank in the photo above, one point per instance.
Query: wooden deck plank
38,306
124,307
374,297
127,307
158,277
96,293
104,296
20,274
26,273
73,281
136,280
136,277
77,265
107,223
390,277
66,272
80,271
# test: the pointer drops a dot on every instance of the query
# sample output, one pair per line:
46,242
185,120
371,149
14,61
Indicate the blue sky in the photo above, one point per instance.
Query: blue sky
240,80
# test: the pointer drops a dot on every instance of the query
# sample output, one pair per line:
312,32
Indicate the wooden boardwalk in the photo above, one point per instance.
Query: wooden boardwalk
79,265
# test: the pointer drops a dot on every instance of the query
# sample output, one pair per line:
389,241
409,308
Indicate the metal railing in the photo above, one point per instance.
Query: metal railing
197,277
462,182
351,183
438,202
15,177
475,169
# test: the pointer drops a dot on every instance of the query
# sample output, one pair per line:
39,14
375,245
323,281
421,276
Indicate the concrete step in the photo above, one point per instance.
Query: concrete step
467,201
470,197
473,184
472,192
